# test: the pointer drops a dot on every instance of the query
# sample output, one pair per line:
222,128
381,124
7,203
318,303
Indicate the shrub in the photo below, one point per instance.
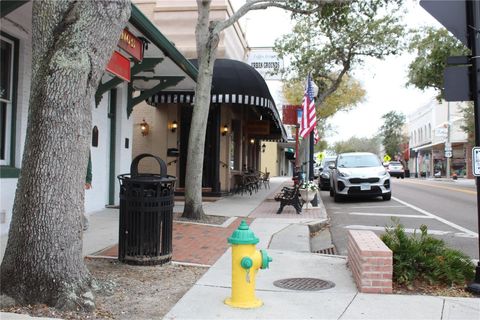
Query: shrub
422,257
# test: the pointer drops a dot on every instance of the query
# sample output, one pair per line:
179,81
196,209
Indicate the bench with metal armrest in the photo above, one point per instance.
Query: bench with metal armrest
289,197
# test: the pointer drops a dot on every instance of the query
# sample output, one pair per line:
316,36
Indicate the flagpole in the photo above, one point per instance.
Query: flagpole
295,172
312,143
310,157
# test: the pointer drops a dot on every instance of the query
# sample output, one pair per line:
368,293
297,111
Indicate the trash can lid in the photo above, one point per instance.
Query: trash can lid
243,235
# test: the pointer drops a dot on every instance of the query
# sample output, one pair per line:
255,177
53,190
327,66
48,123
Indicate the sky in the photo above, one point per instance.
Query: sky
383,80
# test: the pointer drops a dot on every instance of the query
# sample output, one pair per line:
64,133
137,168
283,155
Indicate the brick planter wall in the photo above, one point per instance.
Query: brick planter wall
370,261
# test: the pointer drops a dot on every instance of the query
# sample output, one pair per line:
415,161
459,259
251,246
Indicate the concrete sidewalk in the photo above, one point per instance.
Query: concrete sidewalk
290,260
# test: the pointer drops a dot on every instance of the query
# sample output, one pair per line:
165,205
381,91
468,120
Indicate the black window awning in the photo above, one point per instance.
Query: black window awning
234,82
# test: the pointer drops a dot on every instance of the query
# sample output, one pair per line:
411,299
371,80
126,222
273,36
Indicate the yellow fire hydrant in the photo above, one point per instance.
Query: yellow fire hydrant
246,261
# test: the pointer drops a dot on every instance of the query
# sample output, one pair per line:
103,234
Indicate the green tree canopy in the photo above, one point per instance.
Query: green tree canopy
391,132
355,144
336,40
432,47
346,97
469,122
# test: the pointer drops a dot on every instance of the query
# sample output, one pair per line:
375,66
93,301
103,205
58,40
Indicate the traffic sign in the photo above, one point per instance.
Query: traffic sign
457,83
386,158
448,154
452,14
476,161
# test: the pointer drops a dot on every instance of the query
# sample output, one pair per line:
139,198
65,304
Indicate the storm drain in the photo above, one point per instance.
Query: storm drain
330,251
306,284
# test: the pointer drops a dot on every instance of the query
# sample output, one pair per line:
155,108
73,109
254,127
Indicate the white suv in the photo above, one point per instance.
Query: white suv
359,174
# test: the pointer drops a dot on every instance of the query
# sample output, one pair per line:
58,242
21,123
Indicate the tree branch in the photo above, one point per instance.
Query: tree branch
251,5
335,83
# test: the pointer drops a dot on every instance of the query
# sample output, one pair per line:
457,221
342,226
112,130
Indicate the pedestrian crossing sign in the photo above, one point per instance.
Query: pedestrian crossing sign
386,158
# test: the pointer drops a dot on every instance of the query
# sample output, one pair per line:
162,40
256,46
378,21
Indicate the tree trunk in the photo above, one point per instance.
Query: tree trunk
72,43
207,43
207,37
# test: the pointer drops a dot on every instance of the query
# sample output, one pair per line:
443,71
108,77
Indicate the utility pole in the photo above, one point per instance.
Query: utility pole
462,78
448,145
473,27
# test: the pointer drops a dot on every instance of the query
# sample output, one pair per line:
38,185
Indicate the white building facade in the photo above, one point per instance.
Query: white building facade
435,134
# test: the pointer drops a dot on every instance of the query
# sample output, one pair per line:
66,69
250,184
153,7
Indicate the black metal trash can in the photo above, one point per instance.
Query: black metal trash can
146,215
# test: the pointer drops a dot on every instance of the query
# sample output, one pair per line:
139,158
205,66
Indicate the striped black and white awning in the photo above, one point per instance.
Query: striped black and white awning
234,82
176,97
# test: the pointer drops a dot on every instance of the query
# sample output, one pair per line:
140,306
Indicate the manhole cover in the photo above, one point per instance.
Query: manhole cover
307,284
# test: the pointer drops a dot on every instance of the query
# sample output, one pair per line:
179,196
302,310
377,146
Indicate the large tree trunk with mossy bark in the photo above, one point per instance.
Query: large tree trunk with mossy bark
72,43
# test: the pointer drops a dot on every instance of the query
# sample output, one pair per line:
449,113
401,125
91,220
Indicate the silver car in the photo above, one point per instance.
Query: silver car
359,174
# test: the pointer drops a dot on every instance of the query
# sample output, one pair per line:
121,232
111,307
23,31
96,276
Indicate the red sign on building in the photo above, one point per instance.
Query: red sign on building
119,65
290,114
131,44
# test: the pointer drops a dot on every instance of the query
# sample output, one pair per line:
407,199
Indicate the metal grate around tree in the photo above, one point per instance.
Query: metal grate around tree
305,284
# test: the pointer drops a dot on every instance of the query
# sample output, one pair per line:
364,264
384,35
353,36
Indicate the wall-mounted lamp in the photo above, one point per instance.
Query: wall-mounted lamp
144,128
224,130
252,141
263,147
173,126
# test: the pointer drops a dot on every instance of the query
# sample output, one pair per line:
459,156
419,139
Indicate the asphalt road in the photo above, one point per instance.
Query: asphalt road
448,209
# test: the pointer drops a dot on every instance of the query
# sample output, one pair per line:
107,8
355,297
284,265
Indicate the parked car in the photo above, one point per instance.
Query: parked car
324,178
316,170
359,174
395,169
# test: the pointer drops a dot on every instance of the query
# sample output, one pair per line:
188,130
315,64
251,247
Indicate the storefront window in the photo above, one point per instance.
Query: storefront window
6,66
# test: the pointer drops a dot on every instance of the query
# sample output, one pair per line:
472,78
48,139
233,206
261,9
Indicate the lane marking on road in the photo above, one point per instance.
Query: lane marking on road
410,230
389,215
445,221
443,187
365,207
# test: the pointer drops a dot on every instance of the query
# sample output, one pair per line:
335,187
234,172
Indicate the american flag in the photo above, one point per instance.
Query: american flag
309,118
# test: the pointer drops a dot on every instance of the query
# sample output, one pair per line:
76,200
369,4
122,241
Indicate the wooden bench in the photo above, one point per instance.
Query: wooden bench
370,261
289,197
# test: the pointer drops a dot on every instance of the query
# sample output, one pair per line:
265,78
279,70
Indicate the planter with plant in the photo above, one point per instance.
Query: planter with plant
423,263
308,190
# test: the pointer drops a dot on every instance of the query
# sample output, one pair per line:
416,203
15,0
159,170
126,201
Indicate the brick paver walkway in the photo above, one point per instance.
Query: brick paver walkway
269,208
204,244
194,243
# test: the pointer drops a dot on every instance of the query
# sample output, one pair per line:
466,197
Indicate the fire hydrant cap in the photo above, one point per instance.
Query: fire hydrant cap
243,235
266,259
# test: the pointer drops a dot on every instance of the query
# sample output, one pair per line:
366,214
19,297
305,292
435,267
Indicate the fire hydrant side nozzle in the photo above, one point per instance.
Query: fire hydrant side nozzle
246,260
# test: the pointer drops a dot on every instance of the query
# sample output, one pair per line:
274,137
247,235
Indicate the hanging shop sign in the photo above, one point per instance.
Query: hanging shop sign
258,127
290,114
131,44
119,65
266,62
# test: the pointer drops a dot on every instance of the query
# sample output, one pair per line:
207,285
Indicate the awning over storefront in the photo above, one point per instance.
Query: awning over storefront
427,146
234,82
